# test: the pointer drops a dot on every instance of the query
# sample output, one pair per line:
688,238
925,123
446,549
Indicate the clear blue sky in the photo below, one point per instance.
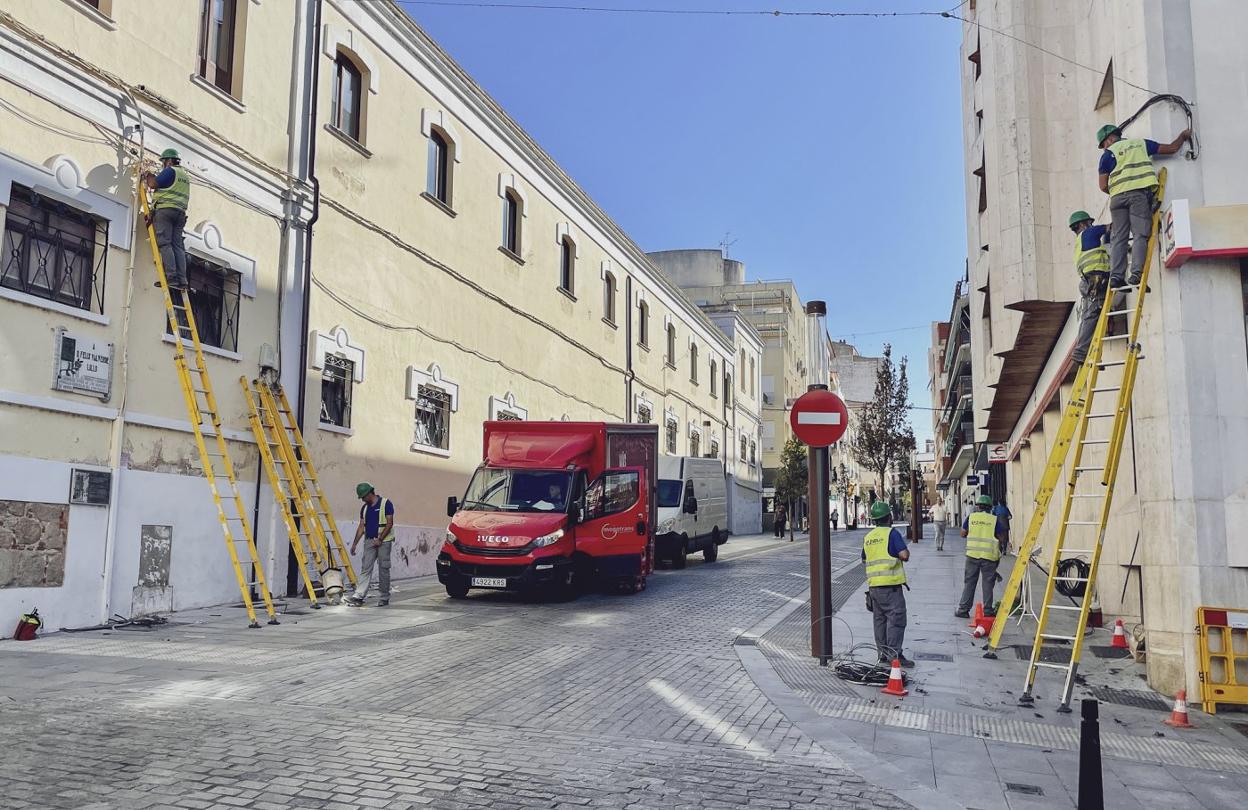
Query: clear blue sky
830,149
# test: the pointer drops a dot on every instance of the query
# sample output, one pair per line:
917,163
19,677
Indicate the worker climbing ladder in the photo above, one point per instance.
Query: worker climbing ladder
1097,479
200,403
296,486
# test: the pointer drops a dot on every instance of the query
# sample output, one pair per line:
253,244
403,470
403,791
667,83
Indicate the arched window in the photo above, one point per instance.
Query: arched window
671,345
643,323
438,183
693,363
752,375
714,378
741,365
567,265
347,98
608,297
511,221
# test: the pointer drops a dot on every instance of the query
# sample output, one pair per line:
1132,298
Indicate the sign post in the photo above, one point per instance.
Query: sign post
819,418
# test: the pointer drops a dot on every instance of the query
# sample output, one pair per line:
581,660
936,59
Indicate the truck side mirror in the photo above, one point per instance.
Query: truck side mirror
452,506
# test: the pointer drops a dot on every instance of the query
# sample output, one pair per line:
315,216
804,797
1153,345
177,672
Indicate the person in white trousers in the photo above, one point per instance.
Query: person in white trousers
940,519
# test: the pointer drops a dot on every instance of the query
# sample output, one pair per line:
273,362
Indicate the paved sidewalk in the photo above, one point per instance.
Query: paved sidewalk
960,731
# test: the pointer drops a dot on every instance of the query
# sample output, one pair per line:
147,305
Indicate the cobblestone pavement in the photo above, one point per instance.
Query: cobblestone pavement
608,701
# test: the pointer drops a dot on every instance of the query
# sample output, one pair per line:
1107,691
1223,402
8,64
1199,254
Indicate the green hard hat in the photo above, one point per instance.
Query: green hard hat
1079,216
170,154
1104,132
879,509
363,489
983,500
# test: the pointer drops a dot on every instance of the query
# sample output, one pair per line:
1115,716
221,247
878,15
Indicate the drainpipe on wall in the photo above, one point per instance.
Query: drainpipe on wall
117,432
628,348
304,324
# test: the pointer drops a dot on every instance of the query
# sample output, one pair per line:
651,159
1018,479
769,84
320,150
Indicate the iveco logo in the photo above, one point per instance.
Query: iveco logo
497,539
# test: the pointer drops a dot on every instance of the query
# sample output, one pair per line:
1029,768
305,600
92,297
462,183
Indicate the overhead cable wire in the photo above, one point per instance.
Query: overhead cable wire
674,12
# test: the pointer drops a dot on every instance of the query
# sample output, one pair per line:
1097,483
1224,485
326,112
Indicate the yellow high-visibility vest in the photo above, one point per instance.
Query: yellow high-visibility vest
1095,260
177,195
1133,169
882,568
981,536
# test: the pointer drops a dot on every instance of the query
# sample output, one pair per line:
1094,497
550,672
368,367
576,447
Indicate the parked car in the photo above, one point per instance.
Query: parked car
692,508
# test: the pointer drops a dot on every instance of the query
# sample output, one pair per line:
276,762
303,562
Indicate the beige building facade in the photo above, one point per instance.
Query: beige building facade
365,218
1174,540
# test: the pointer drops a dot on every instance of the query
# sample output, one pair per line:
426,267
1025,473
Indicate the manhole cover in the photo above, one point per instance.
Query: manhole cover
1023,651
926,656
1030,790
1130,697
1110,652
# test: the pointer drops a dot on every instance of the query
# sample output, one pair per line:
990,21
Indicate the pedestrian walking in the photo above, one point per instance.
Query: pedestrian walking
779,518
1004,515
836,516
1092,265
983,532
171,195
883,552
939,520
377,530
1127,176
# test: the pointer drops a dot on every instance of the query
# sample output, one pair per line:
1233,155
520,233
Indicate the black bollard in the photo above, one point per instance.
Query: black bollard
1091,791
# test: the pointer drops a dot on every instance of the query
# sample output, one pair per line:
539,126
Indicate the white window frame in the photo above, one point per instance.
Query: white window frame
507,402
432,377
507,182
642,402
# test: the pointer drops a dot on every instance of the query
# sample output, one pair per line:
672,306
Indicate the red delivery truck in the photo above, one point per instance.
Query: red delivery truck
555,506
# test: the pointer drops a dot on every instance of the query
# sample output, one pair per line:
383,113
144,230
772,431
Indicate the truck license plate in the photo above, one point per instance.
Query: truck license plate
489,582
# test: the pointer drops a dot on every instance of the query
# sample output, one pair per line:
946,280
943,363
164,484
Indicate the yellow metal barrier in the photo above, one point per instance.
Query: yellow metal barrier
1223,634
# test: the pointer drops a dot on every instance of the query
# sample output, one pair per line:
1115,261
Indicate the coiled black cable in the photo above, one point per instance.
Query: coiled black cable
1068,568
1193,147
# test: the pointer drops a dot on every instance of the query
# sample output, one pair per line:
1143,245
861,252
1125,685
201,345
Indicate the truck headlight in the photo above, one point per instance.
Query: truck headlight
548,539
450,538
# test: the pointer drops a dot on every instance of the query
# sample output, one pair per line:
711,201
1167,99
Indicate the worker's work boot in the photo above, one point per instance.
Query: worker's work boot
905,662
354,601
962,614
383,602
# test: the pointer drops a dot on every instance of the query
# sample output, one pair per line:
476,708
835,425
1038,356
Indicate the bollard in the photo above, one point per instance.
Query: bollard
1091,791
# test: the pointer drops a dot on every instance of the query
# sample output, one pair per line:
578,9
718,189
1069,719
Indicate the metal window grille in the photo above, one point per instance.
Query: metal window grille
507,416
643,414
671,436
433,417
745,448
695,445
214,294
714,449
53,251
336,380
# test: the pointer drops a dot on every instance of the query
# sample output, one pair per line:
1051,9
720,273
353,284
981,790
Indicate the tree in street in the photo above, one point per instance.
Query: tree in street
792,478
883,427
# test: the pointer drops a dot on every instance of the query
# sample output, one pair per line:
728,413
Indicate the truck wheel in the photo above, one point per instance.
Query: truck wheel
457,589
678,556
718,537
710,553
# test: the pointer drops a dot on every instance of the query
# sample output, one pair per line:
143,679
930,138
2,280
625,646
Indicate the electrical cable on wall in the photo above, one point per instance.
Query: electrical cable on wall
1193,146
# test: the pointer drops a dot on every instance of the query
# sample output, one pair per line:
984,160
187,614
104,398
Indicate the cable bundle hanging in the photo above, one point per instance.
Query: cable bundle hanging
1193,147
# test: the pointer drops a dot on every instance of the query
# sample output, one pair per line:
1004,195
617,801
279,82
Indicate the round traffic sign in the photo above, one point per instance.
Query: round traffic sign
819,418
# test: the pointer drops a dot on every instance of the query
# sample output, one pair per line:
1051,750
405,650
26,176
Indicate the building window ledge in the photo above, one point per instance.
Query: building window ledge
441,206
430,450
569,295
514,257
645,347
52,306
670,365
213,350
222,96
348,140
610,323
339,429
95,15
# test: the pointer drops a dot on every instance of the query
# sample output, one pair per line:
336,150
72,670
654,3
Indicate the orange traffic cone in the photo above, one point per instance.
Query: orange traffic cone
977,615
1178,717
896,686
1120,636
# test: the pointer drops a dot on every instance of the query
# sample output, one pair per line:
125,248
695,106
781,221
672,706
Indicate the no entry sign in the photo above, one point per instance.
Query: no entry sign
819,418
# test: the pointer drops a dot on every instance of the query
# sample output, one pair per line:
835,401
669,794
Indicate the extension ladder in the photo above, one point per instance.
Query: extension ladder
1073,432
295,483
200,403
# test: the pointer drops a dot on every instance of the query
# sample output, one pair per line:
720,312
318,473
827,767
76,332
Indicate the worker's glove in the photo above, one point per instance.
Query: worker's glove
870,602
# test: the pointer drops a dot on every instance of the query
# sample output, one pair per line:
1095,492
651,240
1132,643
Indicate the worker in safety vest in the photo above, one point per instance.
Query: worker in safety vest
1092,265
171,194
377,528
883,551
984,532
1127,176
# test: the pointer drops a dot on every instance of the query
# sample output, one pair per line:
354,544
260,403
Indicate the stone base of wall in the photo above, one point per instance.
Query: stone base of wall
32,544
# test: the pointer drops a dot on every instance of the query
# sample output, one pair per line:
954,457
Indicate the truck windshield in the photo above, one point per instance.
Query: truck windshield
669,492
494,490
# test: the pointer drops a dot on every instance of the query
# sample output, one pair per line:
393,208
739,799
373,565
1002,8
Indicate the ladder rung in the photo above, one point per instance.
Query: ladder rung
1108,388
1088,469
1101,415
1089,495
1052,666
1057,637
1122,312
1115,337
1072,579
1095,441
1065,607
1112,363
1075,551
1082,523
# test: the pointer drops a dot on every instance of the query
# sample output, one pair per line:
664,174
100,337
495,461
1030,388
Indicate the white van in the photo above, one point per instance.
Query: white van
692,509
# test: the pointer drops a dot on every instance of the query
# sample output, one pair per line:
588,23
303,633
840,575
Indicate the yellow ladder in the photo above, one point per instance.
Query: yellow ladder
201,402
1073,431
303,471
282,478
